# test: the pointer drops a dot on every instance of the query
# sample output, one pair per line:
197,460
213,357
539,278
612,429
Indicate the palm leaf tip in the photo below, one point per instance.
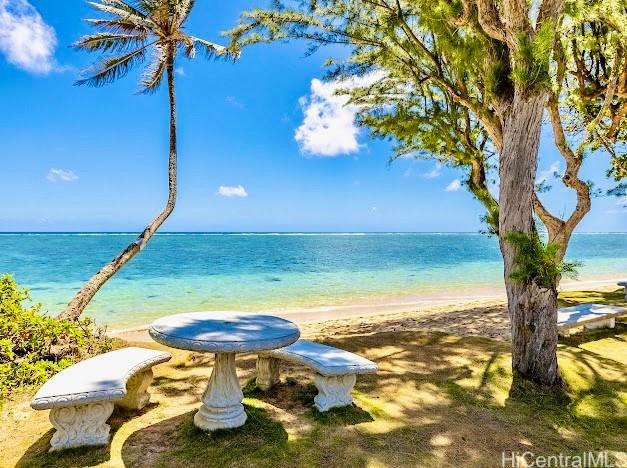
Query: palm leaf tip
109,42
112,68
153,76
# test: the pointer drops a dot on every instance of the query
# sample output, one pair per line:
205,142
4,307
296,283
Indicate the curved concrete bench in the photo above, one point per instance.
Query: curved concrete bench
336,370
81,397
588,316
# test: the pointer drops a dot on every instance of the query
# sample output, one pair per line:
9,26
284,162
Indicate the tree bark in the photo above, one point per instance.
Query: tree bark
559,230
532,307
76,306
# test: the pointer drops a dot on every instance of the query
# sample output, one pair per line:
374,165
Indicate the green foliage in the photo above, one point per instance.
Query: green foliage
498,73
416,60
536,261
591,79
34,346
340,416
618,168
532,59
491,218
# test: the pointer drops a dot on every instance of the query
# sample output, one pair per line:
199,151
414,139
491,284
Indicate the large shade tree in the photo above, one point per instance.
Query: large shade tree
131,33
468,82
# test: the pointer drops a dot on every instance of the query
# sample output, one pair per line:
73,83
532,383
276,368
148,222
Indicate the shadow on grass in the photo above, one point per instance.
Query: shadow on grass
593,410
596,415
303,395
595,334
173,386
177,442
437,400
572,298
37,454
261,442
342,416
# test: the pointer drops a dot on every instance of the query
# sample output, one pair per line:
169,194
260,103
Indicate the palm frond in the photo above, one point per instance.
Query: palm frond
110,42
114,68
145,6
126,14
186,44
122,5
132,30
153,76
182,10
189,50
118,25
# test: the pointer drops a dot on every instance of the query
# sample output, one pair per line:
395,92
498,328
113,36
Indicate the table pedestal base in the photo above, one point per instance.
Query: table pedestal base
222,401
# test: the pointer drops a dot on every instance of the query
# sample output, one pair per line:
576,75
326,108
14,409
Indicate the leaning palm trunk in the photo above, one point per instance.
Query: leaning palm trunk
76,306
129,32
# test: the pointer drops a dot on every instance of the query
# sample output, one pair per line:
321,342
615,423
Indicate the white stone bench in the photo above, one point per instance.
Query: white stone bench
336,370
81,397
588,316
623,283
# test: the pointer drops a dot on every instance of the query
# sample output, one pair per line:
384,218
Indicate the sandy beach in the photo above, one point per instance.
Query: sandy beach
465,315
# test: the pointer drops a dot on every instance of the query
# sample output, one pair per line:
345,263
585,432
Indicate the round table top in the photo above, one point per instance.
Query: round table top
224,332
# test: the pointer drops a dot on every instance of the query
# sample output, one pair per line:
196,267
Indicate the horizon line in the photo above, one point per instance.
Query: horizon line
275,232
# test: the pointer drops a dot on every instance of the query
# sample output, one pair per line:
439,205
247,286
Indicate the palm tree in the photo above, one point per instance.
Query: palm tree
127,36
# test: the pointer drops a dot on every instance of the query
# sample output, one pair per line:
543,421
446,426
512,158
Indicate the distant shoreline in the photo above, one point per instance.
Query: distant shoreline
261,233
386,307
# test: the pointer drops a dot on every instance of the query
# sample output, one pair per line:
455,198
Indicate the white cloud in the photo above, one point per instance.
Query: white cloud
235,191
435,172
61,175
328,127
548,173
453,186
179,71
26,40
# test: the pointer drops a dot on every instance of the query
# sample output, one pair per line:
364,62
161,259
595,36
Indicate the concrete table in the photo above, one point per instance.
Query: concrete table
225,334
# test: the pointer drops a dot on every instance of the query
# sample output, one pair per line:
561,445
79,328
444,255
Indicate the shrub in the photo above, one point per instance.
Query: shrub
34,346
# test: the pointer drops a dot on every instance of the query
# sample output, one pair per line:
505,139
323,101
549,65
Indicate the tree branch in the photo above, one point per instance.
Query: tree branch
559,230
549,11
490,20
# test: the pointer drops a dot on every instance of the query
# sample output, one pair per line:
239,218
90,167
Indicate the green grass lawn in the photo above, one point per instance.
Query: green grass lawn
438,400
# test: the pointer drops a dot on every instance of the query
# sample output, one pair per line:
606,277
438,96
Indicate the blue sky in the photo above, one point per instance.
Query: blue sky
253,153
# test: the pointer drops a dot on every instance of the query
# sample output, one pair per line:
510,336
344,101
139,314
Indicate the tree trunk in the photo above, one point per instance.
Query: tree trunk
76,306
532,308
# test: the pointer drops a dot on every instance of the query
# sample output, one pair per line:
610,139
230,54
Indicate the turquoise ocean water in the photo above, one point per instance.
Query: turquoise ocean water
238,271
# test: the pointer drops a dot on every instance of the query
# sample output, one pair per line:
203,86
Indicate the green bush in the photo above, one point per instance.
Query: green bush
34,346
